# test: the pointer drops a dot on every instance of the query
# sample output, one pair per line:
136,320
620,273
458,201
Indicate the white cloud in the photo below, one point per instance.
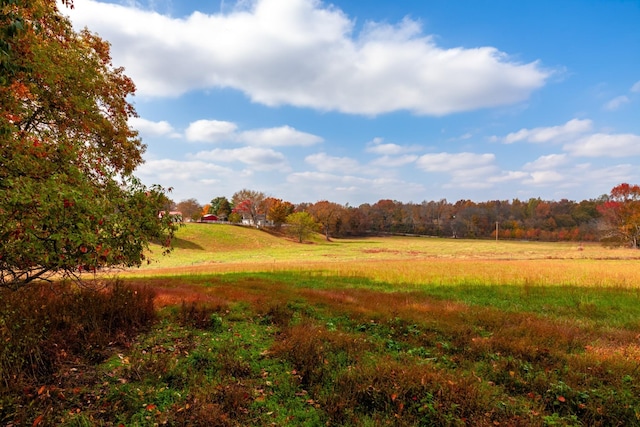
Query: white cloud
551,161
326,163
306,54
351,189
467,170
260,159
563,132
447,162
199,179
151,128
279,136
377,146
507,177
546,177
217,130
210,130
605,145
616,103
166,171
394,161
636,87
608,177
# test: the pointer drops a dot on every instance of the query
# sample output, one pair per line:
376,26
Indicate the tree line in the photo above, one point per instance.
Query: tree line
613,218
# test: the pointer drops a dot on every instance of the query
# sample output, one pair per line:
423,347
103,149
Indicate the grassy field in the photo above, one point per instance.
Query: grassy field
404,261
255,329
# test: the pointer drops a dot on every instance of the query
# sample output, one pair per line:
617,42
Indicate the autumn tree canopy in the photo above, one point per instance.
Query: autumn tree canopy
278,210
190,208
69,201
249,203
327,214
621,214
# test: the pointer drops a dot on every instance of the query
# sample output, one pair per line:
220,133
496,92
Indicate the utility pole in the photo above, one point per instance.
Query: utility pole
497,231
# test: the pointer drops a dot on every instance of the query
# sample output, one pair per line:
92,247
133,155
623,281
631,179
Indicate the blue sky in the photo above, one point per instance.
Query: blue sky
355,101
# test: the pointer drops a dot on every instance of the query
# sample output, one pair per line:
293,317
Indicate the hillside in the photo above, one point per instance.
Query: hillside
197,244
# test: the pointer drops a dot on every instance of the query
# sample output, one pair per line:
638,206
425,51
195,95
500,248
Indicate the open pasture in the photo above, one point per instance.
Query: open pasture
255,329
494,332
405,261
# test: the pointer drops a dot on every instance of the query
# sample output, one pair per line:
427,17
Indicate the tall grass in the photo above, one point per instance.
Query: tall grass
43,327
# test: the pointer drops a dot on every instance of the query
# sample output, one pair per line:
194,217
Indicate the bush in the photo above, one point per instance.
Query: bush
42,327
201,316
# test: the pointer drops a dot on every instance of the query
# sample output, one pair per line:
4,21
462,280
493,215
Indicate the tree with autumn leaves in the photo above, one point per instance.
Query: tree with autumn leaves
249,203
69,201
621,215
327,214
278,210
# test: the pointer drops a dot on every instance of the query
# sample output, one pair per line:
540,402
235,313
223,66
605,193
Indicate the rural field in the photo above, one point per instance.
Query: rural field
238,327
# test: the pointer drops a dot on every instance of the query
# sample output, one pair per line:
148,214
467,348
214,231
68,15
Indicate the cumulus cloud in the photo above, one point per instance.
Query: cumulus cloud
167,171
394,161
217,130
210,130
198,179
378,146
448,162
151,128
560,133
605,145
305,53
349,188
551,161
278,137
608,177
258,158
326,163
544,178
616,103
507,176
467,170
636,87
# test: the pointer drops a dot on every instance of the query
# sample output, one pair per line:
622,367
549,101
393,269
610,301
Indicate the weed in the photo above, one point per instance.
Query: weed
44,327
201,316
277,314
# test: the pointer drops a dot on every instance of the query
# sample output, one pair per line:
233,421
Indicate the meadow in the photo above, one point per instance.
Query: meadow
240,327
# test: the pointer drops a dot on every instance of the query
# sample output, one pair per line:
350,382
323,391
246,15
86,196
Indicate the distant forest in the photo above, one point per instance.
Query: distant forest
612,218
534,219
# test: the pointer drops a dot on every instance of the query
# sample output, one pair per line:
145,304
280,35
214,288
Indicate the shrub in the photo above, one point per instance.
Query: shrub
42,327
201,316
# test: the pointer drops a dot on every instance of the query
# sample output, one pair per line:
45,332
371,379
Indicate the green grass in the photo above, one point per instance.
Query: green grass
259,330
599,306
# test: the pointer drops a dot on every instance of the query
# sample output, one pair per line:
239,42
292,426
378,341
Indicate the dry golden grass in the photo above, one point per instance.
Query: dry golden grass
409,261
449,271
